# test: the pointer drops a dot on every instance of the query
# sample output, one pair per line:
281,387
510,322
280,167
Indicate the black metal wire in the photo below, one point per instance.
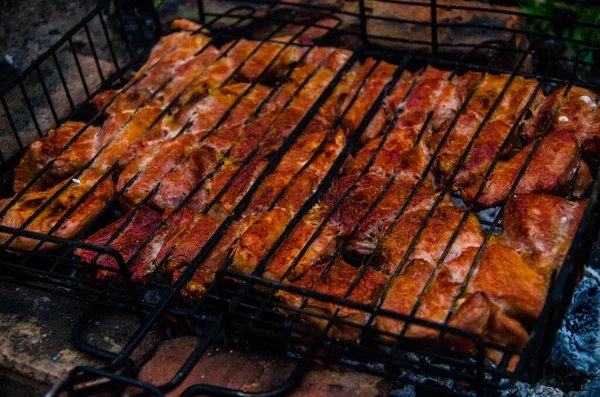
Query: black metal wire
244,299
206,249
222,119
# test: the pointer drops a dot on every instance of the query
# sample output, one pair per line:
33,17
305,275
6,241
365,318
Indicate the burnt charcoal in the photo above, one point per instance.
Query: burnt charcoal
577,345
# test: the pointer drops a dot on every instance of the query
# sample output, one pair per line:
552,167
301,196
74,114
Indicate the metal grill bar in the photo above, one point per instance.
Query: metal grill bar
243,300
11,122
127,87
356,280
30,109
79,69
157,186
93,49
176,287
260,268
63,81
256,112
111,50
201,348
47,95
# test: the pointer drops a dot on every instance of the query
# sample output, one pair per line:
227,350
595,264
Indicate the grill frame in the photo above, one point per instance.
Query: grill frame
223,295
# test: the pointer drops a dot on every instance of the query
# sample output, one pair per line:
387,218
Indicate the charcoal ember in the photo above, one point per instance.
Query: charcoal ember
590,388
577,344
404,391
527,390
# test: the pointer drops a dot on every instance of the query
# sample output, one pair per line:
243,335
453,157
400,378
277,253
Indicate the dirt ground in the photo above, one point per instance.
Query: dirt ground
29,27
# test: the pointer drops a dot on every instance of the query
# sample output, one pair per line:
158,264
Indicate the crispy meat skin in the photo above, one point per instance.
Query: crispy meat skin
337,282
188,245
308,95
468,122
335,279
148,171
165,69
433,240
187,72
48,219
293,300
166,58
180,181
408,173
254,244
384,115
422,98
154,251
541,227
195,89
495,131
368,92
551,170
254,66
293,187
250,135
502,285
206,271
239,186
125,135
144,222
282,127
387,150
451,99
177,45
288,253
204,109
256,241
368,235
172,243
354,206
576,114
516,287
198,158
51,147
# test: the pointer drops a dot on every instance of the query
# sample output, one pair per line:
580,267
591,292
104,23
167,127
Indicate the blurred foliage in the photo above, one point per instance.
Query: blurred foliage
566,17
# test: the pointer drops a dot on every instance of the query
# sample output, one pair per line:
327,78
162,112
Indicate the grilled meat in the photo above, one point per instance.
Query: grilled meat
125,239
337,281
207,269
62,211
283,126
493,134
541,227
386,151
502,285
193,135
298,253
572,111
551,169
52,148
259,238
408,173
435,236
370,87
468,122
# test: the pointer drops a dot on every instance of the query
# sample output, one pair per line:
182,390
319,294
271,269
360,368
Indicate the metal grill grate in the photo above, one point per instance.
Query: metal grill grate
236,306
